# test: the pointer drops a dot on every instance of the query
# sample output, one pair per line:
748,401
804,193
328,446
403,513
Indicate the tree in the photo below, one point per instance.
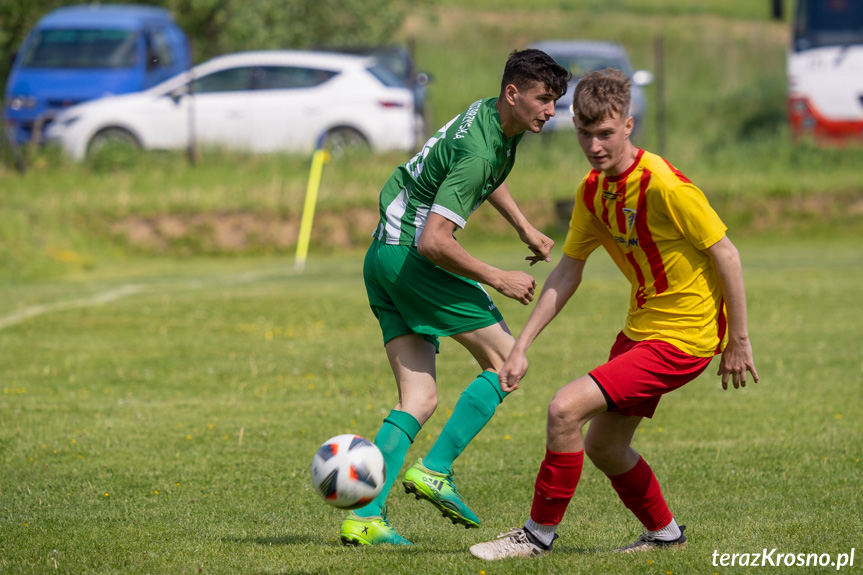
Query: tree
16,19
223,26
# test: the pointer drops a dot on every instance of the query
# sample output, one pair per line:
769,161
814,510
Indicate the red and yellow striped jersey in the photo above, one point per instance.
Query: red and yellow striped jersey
655,223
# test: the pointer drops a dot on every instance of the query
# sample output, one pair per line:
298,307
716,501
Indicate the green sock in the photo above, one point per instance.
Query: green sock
473,410
393,439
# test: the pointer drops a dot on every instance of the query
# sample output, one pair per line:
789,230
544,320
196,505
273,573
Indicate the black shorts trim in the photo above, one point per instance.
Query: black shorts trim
608,400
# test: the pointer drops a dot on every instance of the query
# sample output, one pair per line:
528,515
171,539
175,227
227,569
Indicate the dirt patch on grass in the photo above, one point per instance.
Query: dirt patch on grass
240,232
248,232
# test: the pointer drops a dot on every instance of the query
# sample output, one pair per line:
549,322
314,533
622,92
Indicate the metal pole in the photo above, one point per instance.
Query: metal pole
192,151
20,162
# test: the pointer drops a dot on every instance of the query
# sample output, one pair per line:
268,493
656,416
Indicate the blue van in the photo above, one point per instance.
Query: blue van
83,52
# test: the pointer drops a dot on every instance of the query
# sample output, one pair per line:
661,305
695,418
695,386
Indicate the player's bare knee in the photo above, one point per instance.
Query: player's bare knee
564,414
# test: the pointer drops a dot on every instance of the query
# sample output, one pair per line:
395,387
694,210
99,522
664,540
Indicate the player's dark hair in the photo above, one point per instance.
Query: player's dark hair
524,68
601,94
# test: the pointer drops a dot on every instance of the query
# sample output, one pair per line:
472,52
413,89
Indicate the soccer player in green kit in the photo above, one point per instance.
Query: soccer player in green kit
423,285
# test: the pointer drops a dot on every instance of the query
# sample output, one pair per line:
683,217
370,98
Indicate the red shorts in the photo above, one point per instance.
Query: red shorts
638,373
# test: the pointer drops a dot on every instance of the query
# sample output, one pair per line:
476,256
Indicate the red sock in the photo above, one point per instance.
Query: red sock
555,485
639,490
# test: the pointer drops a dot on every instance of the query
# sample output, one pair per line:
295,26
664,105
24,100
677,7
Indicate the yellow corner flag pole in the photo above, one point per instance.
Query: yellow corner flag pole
318,160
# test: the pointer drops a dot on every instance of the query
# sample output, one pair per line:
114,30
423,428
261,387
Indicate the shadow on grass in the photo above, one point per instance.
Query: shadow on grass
569,550
302,539
280,540
416,549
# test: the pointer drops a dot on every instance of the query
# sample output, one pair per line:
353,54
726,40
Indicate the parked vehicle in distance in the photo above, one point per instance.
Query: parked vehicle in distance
581,56
253,101
825,71
80,53
399,60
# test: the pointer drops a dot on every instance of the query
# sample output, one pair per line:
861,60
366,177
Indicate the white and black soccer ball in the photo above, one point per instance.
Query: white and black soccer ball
348,471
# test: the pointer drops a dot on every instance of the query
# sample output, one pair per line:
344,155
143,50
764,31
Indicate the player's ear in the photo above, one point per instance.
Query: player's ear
630,124
510,94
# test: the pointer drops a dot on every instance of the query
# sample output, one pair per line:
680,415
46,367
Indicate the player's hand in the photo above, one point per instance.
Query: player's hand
517,285
736,360
512,371
540,244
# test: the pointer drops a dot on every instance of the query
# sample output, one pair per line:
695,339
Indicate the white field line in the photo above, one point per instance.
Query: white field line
127,290
98,299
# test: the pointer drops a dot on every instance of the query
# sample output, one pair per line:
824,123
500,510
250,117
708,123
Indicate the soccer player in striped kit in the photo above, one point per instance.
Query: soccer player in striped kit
422,285
687,304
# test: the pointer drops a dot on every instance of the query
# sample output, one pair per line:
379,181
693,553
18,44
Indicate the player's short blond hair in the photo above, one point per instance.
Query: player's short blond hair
601,94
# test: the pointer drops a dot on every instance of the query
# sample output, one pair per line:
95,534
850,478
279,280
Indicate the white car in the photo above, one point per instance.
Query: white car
254,101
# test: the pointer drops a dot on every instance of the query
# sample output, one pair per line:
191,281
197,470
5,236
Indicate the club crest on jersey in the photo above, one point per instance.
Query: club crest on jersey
618,195
630,218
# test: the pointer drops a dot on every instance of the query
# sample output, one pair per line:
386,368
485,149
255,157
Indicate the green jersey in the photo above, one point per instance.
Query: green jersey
455,172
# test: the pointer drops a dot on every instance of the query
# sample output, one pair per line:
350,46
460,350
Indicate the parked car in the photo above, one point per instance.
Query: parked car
399,60
79,53
254,101
581,56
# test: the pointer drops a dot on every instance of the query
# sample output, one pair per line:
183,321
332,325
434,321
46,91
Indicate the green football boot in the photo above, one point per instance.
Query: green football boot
440,491
370,531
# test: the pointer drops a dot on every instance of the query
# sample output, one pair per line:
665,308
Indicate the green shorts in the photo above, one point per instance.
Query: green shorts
409,294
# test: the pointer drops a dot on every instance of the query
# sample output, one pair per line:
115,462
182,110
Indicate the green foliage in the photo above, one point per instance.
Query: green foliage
116,206
725,8
223,26
16,19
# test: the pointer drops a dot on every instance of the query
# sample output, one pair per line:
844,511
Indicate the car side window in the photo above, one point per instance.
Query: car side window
385,76
230,80
288,77
158,51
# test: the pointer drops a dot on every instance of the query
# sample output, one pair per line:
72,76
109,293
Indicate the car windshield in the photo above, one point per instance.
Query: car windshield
833,23
581,64
86,48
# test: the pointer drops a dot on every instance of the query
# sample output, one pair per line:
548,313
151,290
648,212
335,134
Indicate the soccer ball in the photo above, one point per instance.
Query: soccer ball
348,471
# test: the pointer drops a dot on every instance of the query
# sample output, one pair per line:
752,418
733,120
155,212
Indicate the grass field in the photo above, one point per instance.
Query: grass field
162,419
163,393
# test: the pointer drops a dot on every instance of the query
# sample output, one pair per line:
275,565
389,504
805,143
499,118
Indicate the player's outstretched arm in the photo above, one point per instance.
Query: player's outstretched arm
737,357
538,242
438,245
558,288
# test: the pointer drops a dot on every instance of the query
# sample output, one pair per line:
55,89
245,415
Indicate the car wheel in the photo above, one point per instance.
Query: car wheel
110,138
344,140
